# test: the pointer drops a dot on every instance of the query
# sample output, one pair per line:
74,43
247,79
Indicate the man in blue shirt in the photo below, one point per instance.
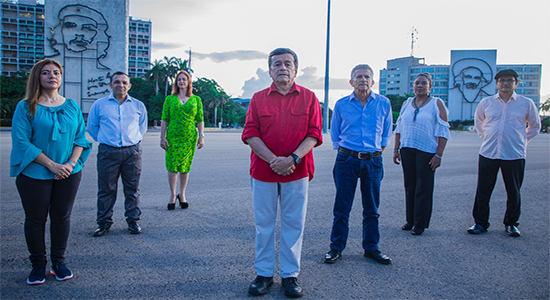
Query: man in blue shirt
361,128
118,123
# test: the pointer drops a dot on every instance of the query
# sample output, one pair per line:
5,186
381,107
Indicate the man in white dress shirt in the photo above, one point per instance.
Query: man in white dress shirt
506,122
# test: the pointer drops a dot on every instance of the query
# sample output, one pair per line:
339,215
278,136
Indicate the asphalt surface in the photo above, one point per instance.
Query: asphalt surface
207,251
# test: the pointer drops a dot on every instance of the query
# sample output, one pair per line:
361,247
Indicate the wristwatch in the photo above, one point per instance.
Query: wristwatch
296,158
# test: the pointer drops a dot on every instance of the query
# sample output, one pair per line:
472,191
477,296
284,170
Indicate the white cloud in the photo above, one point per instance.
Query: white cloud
255,84
230,55
307,79
156,46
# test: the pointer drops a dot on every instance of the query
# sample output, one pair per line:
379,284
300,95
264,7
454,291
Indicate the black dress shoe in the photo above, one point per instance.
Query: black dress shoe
292,288
378,257
417,231
407,226
183,205
259,286
332,256
477,229
102,229
134,228
512,231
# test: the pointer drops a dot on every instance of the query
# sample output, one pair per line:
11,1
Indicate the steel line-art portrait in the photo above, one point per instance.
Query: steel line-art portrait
471,76
81,31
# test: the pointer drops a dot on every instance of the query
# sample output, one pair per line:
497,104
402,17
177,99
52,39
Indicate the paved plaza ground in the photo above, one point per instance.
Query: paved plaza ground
207,251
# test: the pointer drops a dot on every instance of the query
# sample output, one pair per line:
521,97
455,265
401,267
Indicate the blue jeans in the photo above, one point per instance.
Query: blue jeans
347,170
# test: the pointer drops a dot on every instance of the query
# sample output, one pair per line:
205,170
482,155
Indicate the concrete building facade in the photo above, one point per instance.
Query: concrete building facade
461,84
139,47
90,40
22,31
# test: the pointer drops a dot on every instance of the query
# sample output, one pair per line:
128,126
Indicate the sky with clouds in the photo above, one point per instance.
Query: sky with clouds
230,39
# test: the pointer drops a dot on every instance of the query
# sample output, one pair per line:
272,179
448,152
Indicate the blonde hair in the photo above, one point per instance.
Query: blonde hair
34,88
175,87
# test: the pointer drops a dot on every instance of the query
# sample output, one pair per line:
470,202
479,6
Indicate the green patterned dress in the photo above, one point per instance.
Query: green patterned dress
181,133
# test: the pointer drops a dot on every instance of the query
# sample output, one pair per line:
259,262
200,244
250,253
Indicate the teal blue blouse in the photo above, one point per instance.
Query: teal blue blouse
54,131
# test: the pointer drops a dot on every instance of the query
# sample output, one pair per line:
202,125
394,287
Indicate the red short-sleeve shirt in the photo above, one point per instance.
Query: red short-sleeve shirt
282,122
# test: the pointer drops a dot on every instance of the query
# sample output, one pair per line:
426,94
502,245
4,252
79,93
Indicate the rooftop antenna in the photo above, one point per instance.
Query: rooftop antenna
414,38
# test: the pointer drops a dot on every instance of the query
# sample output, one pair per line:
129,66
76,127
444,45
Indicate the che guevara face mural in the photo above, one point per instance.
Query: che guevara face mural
80,30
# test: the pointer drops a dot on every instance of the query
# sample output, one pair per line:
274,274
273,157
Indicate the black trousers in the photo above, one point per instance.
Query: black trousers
113,163
419,186
512,174
40,197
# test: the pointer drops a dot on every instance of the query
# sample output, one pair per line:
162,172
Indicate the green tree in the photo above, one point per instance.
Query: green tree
170,70
182,65
234,113
546,105
12,91
156,73
212,96
142,89
397,103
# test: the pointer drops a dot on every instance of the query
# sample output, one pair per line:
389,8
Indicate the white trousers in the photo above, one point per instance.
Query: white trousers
293,199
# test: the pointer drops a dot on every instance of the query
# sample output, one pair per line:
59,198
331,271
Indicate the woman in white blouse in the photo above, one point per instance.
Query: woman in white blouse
421,135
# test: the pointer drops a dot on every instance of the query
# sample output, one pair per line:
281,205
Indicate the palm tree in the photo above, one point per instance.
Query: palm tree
171,69
156,73
182,65
545,106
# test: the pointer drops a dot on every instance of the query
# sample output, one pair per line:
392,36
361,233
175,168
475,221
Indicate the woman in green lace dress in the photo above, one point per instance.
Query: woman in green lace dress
182,115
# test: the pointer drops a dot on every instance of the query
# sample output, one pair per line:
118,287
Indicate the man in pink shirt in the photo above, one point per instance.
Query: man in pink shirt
283,124
501,121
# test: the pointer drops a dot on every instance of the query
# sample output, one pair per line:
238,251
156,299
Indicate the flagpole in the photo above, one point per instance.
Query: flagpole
326,104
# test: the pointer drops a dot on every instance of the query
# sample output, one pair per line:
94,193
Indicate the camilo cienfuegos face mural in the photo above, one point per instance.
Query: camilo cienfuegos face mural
470,77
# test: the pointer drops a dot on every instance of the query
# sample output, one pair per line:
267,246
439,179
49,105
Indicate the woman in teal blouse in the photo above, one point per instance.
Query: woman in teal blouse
49,148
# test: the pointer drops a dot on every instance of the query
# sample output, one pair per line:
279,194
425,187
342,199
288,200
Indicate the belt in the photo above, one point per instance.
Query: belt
360,155
123,147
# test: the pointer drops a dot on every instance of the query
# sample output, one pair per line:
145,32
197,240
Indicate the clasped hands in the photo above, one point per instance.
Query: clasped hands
282,165
61,171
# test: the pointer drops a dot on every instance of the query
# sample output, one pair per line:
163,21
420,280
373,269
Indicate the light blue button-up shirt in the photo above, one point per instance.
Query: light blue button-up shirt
362,129
115,124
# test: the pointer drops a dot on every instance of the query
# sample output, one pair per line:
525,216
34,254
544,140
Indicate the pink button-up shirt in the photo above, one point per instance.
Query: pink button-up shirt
503,126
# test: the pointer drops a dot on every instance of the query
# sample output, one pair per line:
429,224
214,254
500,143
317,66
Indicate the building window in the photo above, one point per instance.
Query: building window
531,69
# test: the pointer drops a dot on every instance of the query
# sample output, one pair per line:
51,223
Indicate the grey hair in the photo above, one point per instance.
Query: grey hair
361,67
280,51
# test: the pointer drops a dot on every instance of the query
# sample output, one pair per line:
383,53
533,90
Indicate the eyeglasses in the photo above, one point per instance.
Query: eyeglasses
511,80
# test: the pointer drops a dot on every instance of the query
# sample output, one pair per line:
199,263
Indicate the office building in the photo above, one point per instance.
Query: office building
461,84
139,47
22,29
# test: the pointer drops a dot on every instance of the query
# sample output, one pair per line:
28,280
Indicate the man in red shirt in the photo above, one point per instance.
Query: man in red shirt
283,124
